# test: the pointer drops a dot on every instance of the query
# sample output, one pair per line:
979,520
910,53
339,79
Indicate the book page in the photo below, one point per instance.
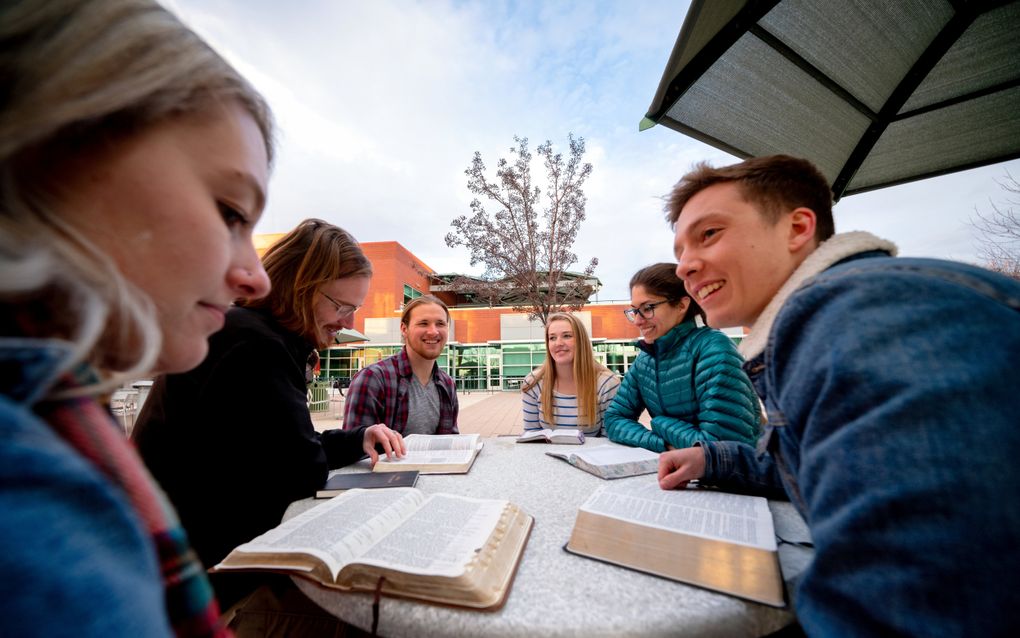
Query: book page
441,538
341,529
431,457
733,518
439,442
535,435
612,454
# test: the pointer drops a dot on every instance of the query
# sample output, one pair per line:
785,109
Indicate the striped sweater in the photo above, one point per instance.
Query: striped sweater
565,406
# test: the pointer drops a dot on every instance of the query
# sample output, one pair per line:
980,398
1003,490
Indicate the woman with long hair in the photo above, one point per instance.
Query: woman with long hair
133,165
570,389
232,442
688,377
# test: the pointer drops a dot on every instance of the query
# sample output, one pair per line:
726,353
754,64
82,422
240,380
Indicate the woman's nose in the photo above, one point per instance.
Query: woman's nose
249,282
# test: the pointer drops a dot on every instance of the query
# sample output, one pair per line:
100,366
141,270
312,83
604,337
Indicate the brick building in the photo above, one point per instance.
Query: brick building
488,348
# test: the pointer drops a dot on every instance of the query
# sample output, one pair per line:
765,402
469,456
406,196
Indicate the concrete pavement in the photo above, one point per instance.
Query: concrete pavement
488,414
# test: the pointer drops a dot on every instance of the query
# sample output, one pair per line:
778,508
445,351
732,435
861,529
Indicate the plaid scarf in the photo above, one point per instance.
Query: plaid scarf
88,428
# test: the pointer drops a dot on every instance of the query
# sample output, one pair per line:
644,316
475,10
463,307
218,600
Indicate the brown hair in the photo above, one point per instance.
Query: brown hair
313,254
777,183
586,373
405,316
661,281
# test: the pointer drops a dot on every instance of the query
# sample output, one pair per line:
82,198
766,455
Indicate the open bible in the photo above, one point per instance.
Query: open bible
612,460
434,454
564,436
442,548
719,541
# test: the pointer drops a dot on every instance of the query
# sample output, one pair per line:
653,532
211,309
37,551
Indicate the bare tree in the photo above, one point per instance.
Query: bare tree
999,232
527,257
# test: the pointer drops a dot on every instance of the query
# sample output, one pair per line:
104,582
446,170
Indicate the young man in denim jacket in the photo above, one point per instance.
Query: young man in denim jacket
893,398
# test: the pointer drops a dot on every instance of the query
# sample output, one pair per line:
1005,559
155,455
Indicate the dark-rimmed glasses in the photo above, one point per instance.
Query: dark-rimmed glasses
342,309
647,311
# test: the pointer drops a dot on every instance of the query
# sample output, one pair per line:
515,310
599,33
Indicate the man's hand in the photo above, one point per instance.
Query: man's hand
678,467
392,443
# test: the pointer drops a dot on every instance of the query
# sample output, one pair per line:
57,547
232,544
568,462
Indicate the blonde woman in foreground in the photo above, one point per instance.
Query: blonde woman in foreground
133,166
570,389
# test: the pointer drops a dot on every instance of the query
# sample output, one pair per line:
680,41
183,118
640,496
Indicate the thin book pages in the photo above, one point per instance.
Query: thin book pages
439,548
611,460
719,541
435,454
560,436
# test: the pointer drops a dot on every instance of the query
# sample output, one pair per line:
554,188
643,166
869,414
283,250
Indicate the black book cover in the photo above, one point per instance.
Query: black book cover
366,480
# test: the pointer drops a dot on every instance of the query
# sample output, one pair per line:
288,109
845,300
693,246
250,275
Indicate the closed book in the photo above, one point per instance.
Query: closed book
339,483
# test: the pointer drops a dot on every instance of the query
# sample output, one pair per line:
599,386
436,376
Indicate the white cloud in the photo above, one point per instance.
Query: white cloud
381,106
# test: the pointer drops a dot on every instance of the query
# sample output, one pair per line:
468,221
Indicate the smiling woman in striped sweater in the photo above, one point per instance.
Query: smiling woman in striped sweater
570,389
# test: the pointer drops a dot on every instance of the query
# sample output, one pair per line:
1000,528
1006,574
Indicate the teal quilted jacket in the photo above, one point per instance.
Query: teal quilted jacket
691,381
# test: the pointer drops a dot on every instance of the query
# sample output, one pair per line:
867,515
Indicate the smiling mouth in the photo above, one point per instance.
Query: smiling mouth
704,292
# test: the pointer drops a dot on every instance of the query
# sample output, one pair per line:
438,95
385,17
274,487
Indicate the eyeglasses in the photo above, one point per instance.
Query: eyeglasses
342,309
646,311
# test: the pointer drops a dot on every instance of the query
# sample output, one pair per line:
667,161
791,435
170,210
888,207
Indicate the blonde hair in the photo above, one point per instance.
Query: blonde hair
313,254
586,373
77,75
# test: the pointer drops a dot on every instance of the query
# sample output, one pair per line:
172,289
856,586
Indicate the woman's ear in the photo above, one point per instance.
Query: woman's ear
685,303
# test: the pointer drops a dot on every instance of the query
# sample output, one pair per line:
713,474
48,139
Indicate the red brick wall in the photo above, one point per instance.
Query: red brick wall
393,266
608,321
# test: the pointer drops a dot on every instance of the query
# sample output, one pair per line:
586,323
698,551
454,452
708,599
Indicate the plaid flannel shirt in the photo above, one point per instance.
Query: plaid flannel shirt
378,394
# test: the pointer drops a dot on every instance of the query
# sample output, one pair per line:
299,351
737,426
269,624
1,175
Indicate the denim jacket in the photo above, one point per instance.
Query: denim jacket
75,560
893,399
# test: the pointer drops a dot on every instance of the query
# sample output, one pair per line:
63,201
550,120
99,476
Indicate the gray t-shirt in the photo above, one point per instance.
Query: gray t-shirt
422,407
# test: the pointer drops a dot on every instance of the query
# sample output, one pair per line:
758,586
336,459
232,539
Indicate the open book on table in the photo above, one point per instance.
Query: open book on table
434,454
612,460
442,548
566,436
719,541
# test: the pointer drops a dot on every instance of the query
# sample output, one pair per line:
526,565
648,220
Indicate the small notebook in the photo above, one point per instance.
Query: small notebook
340,483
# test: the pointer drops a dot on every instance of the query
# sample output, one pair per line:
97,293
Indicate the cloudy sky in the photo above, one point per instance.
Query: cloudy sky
381,106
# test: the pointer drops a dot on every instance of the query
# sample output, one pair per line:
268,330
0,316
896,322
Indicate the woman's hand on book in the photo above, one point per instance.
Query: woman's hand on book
391,443
679,467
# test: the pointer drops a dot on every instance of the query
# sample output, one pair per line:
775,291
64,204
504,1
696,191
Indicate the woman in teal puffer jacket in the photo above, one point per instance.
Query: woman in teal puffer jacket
689,378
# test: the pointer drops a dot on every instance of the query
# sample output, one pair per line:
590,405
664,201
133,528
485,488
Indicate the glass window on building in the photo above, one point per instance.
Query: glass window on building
339,364
411,293
471,367
619,355
518,360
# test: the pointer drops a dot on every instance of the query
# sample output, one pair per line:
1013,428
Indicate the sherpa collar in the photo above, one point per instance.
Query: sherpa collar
833,250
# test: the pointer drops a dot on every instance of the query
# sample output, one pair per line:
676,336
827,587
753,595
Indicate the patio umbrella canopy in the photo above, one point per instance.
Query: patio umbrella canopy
348,335
875,93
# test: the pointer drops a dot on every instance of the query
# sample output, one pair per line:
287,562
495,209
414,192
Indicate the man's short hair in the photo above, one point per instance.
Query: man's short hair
776,183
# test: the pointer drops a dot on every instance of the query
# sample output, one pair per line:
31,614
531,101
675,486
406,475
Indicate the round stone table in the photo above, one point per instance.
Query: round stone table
556,593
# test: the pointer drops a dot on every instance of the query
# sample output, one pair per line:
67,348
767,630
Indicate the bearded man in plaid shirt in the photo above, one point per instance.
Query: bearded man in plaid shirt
408,392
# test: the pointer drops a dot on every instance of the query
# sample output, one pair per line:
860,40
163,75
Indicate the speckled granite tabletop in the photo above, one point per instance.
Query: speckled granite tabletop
557,593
